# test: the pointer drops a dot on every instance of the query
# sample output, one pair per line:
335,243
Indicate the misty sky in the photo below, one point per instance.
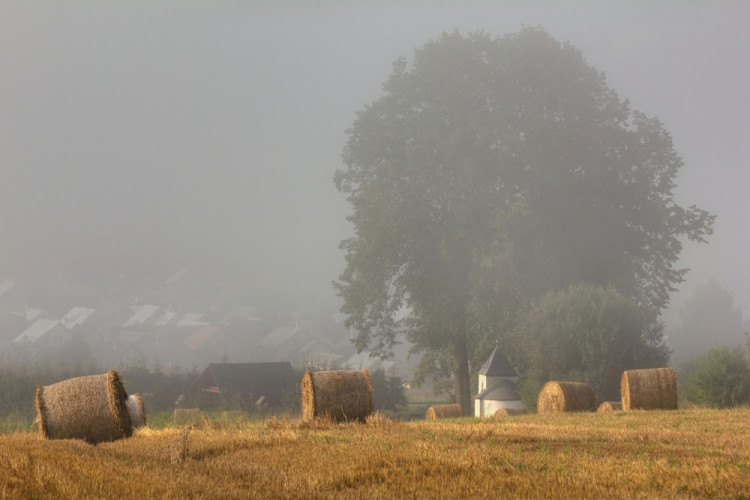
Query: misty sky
143,136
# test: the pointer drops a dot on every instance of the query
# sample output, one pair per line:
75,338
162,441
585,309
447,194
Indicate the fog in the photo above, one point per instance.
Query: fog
143,137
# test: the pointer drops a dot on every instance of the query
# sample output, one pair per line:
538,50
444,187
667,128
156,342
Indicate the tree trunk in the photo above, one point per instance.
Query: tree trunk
461,375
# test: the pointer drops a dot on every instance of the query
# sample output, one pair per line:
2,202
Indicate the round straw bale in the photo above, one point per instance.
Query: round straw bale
444,411
565,397
340,395
136,410
92,408
651,389
610,406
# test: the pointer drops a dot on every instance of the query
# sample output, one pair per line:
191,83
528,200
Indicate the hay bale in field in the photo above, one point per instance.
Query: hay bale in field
651,389
508,412
136,410
610,406
340,395
92,408
444,411
565,397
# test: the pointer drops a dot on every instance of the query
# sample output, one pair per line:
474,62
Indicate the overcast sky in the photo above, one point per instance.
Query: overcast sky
212,130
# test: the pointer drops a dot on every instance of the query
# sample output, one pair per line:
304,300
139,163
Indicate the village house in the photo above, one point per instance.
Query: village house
259,383
498,387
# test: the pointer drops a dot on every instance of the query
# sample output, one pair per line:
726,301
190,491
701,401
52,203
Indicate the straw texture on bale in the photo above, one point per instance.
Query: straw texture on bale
92,408
136,410
339,395
508,412
566,397
651,389
609,406
444,411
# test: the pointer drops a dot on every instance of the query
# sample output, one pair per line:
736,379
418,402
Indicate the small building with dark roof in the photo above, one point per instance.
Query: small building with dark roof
265,383
498,387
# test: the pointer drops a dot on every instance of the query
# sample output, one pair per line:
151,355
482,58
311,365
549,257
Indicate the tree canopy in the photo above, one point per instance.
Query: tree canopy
490,171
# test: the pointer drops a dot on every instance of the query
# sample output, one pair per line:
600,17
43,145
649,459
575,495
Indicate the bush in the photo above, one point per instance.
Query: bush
388,392
721,378
587,333
18,388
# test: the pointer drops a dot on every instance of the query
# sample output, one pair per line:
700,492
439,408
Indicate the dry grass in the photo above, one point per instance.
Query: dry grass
566,397
178,453
340,395
652,389
638,454
234,414
186,416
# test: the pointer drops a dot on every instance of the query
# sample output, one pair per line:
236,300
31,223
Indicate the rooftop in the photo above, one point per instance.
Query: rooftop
497,365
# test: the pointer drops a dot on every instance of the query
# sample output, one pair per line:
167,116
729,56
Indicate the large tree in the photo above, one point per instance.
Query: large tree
489,171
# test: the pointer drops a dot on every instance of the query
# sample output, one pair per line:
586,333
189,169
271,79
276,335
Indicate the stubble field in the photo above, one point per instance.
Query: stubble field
670,454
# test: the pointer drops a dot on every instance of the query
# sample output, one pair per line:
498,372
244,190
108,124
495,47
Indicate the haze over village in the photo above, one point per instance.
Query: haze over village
166,171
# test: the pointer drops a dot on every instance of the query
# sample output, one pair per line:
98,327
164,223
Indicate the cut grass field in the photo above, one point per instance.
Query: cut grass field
658,454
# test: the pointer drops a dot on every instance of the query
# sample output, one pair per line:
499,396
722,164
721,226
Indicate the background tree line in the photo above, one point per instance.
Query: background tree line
161,391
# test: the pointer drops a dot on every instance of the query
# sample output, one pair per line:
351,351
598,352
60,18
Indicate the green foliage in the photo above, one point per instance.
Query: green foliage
587,333
721,378
707,319
17,422
436,365
410,412
17,392
490,171
388,391
216,402
18,388
160,419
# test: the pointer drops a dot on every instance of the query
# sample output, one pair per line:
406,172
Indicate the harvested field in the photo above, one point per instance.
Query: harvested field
655,454
234,414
